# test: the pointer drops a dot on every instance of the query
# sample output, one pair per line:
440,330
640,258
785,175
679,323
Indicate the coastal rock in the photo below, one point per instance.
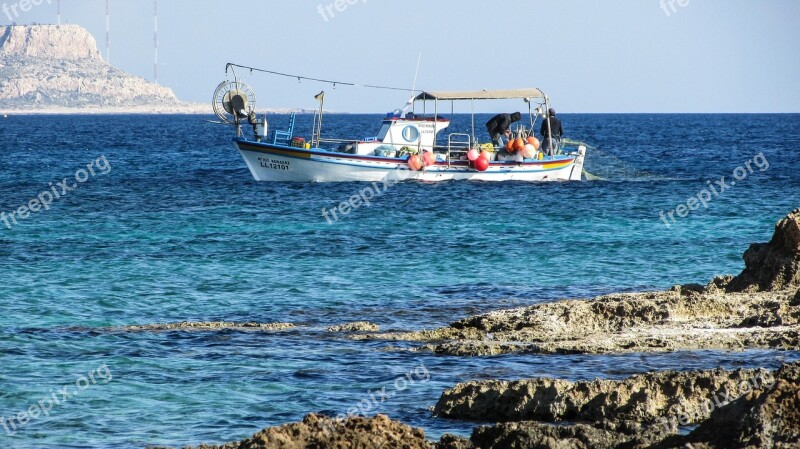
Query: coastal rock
203,326
642,398
763,418
326,433
680,319
358,326
775,265
454,442
534,435
50,66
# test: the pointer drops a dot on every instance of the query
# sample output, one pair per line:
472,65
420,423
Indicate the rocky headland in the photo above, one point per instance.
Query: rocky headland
57,68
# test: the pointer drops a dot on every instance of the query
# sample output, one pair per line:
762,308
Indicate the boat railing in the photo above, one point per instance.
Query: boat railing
457,144
329,140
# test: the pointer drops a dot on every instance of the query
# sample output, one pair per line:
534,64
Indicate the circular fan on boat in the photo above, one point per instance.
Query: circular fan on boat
232,100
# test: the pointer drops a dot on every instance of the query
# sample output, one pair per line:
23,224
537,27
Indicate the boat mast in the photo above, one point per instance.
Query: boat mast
316,133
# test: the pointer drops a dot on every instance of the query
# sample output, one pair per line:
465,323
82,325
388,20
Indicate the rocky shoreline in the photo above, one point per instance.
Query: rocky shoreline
734,409
745,408
757,309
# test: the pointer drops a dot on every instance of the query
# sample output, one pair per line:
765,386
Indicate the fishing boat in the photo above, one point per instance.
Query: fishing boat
407,146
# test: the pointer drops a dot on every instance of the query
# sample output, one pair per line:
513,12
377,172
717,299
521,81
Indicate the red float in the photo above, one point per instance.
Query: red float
481,164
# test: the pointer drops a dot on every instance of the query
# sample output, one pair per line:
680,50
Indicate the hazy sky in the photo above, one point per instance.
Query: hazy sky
588,55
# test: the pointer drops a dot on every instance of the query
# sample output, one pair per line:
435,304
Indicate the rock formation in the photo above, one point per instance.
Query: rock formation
763,411
643,398
767,418
680,319
325,433
49,66
775,265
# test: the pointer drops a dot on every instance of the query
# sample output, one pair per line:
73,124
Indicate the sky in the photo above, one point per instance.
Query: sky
663,56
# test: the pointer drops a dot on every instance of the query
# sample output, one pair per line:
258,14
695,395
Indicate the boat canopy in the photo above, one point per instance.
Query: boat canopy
482,95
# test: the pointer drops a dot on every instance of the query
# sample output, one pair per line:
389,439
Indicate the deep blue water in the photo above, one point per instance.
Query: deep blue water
178,230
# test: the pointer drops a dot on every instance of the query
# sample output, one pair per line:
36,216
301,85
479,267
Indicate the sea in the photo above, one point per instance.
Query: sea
112,221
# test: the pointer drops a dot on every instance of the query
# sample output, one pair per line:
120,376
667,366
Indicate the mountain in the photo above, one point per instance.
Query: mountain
57,68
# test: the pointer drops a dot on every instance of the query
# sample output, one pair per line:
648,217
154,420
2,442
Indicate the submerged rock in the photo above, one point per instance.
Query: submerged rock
319,432
203,326
642,398
358,326
775,265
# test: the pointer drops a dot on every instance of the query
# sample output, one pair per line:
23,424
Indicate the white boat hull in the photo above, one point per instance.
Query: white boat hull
279,163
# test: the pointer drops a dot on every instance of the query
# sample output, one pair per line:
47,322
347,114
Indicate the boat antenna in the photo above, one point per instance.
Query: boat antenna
300,77
413,88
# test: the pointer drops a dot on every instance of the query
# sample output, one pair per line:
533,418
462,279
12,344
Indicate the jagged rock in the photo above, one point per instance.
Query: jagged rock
358,326
775,265
534,435
453,442
47,66
326,433
763,418
644,398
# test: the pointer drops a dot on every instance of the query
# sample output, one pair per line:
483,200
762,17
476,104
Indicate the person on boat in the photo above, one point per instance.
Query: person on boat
499,126
552,131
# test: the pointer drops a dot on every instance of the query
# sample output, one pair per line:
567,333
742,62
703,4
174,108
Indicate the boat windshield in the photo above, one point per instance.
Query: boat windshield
384,131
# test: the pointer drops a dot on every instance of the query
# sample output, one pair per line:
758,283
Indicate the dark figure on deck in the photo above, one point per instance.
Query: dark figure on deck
499,124
552,124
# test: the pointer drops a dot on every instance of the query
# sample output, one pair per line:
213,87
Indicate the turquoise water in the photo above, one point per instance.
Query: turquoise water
176,230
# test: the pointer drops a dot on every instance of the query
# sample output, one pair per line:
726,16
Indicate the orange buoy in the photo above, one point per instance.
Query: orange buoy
510,146
487,155
428,158
519,144
481,164
535,142
415,162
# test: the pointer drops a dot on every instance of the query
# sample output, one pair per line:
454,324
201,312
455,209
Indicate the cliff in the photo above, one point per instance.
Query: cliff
49,67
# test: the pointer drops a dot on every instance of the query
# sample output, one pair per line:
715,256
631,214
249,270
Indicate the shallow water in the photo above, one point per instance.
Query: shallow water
178,230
